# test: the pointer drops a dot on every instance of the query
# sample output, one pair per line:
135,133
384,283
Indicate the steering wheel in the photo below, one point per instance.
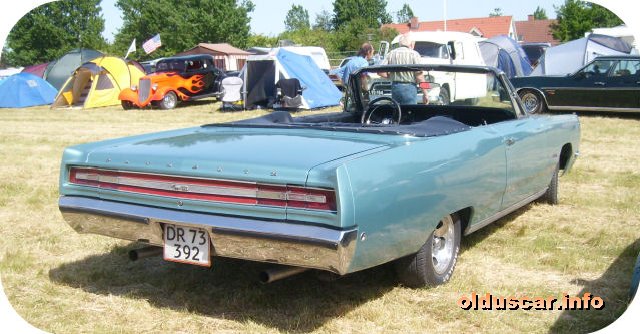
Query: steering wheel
366,116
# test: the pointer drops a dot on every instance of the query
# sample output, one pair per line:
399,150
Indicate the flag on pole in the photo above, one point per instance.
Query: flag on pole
152,44
132,48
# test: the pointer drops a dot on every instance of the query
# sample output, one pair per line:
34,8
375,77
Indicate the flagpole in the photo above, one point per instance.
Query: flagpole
444,14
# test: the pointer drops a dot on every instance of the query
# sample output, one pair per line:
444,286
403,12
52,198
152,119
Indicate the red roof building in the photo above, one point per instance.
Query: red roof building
225,56
482,26
533,30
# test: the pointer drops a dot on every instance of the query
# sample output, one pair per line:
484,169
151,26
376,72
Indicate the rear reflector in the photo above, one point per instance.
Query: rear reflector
206,189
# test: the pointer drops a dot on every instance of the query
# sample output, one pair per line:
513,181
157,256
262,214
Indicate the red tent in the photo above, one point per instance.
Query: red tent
37,70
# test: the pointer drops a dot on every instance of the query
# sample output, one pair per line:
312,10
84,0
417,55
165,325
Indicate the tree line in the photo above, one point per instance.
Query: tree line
49,31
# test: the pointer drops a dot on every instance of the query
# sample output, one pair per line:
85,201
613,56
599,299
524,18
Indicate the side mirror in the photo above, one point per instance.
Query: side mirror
383,49
452,49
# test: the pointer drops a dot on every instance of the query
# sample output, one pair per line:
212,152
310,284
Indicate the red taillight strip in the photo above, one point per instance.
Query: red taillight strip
205,189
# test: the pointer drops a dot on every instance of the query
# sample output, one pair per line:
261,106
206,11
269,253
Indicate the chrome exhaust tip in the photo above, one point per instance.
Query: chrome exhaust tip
137,254
274,274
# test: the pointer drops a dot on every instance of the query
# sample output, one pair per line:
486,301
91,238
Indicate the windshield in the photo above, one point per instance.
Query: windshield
444,85
598,67
432,50
411,100
170,65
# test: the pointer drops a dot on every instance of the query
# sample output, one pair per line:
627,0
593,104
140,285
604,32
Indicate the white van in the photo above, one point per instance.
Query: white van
446,47
449,47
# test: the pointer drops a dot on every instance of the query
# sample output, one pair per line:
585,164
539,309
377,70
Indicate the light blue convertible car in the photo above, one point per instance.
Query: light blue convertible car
402,174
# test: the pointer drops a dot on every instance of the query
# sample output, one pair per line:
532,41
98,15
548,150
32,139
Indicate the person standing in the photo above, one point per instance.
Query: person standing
403,84
360,60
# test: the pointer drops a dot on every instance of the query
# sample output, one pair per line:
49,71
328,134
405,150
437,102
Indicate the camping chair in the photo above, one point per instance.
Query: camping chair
232,97
288,94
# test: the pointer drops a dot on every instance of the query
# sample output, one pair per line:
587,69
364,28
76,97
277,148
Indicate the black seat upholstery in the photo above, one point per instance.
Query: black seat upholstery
289,93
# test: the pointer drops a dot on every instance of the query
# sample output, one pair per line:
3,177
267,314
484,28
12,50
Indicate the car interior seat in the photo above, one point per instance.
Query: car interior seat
622,73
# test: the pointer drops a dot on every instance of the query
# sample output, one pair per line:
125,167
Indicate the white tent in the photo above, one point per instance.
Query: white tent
622,31
5,73
571,56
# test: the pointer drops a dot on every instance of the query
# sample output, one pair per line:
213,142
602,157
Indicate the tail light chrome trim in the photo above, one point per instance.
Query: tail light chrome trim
214,190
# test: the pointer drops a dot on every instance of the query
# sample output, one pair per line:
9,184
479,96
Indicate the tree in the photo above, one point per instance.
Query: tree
372,13
182,24
311,37
602,17
297,19
53,29
355,32
540,14
496,12
405,14
323,21
574,18
262,40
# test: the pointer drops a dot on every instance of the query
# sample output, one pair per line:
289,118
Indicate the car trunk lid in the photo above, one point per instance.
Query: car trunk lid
261,155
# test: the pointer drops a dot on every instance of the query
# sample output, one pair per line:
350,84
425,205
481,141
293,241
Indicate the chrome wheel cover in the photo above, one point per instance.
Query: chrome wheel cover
530,101
170,101
442,248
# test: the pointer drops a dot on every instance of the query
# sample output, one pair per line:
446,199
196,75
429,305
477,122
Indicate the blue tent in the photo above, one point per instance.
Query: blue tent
262,73
25,90
319,89
507,55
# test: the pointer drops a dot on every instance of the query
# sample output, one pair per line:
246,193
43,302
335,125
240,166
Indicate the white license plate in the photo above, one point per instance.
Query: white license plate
187,245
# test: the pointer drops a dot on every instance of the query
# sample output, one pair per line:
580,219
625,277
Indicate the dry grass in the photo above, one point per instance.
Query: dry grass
64,282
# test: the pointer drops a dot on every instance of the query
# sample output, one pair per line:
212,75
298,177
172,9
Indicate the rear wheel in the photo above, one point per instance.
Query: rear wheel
169,101
444,96
532,101
434,263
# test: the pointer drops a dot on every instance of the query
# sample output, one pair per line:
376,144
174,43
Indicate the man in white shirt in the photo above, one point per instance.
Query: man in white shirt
403,88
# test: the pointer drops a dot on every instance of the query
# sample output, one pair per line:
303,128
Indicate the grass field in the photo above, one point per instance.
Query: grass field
64,282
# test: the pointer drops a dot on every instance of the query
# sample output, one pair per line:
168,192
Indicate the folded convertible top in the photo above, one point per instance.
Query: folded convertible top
434,126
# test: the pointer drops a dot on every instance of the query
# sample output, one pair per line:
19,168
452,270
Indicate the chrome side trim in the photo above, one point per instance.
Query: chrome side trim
243,238
472,228
590,88
593,108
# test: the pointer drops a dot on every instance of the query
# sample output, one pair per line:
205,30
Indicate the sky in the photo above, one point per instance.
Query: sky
268,16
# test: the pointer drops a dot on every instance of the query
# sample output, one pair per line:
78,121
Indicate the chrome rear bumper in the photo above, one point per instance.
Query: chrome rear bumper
243,238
